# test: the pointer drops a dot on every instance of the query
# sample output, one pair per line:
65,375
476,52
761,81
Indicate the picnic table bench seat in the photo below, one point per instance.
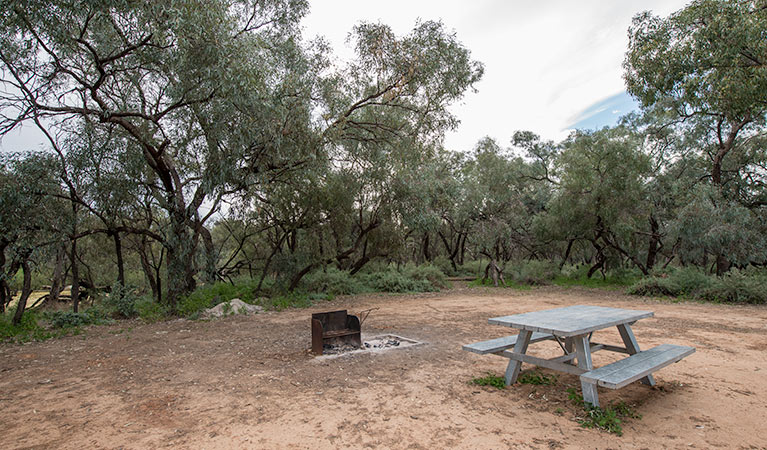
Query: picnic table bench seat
636,366
502,343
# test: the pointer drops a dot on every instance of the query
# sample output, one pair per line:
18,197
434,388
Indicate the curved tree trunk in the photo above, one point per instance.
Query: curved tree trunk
26,289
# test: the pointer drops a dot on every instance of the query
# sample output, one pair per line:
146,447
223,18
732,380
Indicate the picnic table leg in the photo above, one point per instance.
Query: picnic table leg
583,353
569,348
512,370
631,345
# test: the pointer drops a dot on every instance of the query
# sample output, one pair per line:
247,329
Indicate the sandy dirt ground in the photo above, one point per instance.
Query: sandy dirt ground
250,382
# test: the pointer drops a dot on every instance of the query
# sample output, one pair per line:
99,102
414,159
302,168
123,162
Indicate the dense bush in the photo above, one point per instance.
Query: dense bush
748,286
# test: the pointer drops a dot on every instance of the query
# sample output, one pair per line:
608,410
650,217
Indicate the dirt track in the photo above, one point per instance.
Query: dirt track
249,382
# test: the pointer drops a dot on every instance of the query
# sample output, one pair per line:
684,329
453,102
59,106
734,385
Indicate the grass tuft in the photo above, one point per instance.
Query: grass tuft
607,418
490,380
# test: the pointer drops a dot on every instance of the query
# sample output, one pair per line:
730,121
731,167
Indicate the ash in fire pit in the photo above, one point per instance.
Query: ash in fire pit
383,343
372,344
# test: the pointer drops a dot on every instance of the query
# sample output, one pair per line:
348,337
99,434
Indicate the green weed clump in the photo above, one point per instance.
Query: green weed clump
608,418
536,378
490,380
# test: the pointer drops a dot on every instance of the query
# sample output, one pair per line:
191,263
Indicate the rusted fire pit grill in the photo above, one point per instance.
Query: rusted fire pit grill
335,328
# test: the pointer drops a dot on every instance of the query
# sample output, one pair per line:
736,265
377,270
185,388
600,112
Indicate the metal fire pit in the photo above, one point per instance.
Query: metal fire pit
335,328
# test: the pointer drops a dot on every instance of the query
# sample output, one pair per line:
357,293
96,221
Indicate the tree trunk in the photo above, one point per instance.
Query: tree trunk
359,264
120,261
210,273
494,272
26,289
75,290
57,282
297,277
180,262
148,270
4,289
653,247
567,253
722,264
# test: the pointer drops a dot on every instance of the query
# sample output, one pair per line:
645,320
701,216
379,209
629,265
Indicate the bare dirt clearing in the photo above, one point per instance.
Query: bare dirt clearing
250,382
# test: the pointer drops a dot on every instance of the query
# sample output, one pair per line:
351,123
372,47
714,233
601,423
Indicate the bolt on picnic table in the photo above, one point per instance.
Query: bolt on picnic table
572,328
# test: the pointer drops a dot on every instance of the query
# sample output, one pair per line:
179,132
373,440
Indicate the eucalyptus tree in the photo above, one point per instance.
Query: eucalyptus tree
501,198
705,63
601,197
209,92
28,219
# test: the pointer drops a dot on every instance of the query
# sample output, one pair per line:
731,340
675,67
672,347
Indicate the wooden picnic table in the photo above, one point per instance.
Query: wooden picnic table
572,328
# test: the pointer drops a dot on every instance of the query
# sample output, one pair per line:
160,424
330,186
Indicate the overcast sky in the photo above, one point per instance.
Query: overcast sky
550,65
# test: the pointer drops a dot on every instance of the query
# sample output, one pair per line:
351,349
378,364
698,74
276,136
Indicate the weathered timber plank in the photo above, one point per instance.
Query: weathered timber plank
540,362
633,347
639,365
502,343
571,320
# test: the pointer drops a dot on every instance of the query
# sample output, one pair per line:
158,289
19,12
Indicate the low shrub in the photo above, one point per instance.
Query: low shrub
207,296
70,319
393,281
150,311
427,272
332,281
27,330
535,272
295,300
120,301
736,286
443,264
654,287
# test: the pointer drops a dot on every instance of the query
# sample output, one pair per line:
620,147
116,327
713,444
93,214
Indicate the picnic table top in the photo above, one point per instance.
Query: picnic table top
571,320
